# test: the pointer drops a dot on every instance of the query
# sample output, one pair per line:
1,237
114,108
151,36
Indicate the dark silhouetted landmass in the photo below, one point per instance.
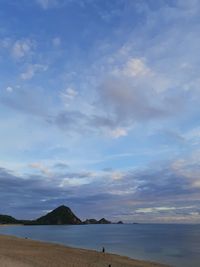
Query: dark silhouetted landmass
59,216
90,221
6,219
104,221
93,221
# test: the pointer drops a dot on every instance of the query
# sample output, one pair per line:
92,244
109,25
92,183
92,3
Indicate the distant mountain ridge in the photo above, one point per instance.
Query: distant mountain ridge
59,216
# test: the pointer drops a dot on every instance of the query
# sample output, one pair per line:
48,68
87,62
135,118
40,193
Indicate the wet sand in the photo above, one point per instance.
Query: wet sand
19,252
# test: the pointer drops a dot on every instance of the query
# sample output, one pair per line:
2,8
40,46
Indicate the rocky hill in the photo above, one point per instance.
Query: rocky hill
59,216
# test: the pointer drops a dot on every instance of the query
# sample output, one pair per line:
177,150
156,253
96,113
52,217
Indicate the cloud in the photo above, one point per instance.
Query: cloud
154,209
117,175
118,132
22,48
128,103
30,194
21,192
31,70
136,193
138,82
119,106
134,67
38,103
68,95
132,92
41,167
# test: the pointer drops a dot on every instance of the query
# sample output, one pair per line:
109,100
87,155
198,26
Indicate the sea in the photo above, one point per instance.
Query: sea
172,244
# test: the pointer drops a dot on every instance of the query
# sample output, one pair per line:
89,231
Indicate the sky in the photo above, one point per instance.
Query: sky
99,109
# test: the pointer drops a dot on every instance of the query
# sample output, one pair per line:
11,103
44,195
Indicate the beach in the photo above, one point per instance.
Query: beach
19,252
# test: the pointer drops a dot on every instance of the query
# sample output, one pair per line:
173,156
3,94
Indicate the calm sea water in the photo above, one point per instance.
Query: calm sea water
177,245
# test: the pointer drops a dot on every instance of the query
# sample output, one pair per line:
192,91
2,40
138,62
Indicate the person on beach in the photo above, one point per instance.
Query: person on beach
103,250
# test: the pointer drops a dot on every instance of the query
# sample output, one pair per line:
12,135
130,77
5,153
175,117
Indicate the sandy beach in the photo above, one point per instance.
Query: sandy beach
18,252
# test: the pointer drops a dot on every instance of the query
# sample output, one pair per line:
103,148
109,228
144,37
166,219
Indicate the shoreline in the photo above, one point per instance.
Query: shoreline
21,252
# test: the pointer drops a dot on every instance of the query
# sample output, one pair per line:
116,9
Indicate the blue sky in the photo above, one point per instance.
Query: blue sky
99,109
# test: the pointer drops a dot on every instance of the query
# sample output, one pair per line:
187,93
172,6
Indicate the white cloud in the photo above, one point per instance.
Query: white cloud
136,67
22,48
161,209
117,175
68,95
31,70
141,74
154,209
118,132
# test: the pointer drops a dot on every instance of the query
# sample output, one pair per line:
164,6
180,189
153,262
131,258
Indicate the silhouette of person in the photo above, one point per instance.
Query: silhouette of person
103,249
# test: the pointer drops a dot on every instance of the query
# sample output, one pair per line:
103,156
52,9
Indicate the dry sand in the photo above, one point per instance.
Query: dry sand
19,252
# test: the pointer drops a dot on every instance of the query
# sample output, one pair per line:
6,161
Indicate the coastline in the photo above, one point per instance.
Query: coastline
19,252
